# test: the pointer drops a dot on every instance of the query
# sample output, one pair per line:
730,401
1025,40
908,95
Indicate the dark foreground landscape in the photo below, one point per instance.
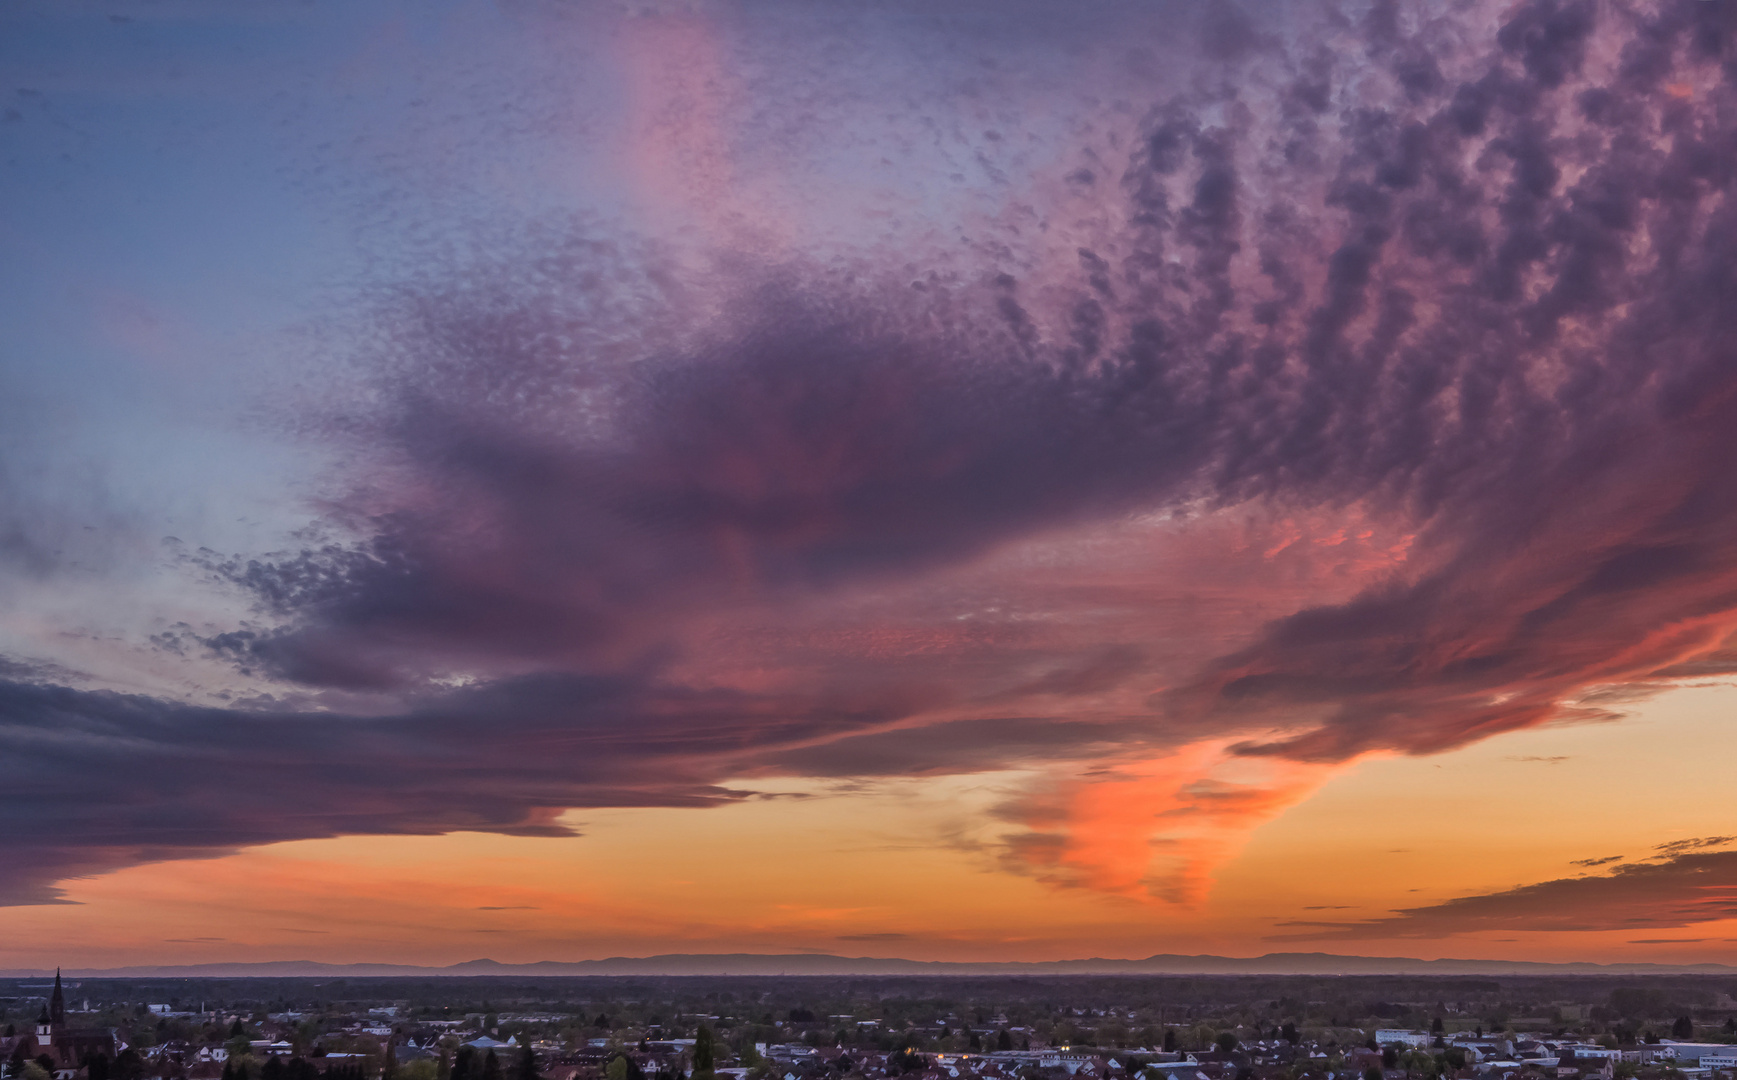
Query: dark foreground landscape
936,1027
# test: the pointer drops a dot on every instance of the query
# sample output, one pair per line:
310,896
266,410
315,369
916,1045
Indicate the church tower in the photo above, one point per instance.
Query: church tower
57,1003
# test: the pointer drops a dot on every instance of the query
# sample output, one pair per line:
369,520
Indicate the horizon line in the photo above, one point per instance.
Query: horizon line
669,965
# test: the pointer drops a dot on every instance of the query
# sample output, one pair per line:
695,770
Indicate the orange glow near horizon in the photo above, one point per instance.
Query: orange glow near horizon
934,868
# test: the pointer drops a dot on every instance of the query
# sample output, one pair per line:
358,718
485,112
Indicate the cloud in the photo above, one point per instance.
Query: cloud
1674,848
1153,829
1375,378
1434,363
1596,862
1684,889
109,780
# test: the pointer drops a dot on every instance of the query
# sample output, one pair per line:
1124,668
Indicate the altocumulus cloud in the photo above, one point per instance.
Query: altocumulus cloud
1460,274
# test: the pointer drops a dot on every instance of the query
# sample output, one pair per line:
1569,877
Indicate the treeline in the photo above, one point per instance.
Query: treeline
296,1068
467,1064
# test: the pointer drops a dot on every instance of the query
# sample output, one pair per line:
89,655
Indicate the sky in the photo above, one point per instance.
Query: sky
983,481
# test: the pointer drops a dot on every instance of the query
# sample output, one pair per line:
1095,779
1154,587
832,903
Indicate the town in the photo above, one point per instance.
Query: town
762,1028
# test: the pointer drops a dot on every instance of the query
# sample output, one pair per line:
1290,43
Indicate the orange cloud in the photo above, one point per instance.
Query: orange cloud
1155,829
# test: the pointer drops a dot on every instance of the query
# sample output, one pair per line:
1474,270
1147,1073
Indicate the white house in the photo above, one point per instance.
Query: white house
1390,1036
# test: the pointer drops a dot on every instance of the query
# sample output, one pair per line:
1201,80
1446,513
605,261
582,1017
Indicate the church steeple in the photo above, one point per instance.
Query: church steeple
57,1003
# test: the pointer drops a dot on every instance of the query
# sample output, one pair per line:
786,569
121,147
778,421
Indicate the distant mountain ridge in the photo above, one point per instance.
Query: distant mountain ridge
721,964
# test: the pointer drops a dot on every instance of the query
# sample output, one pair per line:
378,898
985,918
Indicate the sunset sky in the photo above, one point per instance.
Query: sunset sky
969,481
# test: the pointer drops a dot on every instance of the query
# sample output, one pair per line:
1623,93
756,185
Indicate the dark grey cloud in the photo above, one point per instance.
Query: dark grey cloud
103,779
1673,848
1681,890
939,748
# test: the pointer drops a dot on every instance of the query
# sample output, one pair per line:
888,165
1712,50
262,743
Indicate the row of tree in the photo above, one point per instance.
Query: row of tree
296,1068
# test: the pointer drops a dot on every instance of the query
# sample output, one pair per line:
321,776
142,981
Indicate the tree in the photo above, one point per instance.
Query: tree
1170,1040
527,1069
1372,1073
703,1061
491,1069
1004,1041
390,1065
1418,1063
1226,1041
464,1066
1289,1033
1683,1028
1637,1002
